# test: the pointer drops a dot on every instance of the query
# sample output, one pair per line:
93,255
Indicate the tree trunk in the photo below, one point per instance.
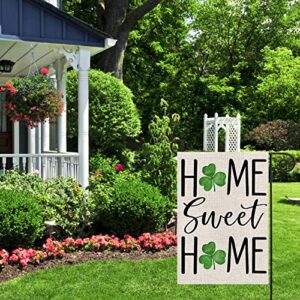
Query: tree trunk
115,19
111,60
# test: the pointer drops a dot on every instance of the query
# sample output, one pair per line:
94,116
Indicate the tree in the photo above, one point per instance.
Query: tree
115,17
278,87
205,57
159,62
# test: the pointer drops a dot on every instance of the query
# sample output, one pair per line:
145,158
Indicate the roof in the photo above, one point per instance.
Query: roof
39,21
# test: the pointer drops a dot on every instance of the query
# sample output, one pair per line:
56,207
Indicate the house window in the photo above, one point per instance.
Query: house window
3,117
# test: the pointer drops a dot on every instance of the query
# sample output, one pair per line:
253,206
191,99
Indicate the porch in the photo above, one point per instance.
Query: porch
45,165
34,35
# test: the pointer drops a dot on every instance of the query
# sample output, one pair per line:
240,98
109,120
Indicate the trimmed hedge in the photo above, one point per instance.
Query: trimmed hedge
21,220
114,118
132,207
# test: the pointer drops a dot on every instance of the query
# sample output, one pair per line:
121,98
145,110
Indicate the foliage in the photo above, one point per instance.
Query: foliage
104,168
277,91
65,202
62,199
156,278
156,159
159,44
114,118
217,64
282,166
117,18
32,99
134,207
276,135
31,183
104,172
21,221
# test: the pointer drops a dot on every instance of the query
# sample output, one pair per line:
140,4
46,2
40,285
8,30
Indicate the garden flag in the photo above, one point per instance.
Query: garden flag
222,216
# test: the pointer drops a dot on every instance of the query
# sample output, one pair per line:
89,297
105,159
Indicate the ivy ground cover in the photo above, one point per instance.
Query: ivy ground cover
156,279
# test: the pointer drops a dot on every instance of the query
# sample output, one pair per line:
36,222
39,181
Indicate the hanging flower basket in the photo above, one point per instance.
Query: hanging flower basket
32,99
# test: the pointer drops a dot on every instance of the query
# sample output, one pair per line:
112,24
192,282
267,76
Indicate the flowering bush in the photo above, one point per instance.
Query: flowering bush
54,249
3,258
157,241
32,99
23,257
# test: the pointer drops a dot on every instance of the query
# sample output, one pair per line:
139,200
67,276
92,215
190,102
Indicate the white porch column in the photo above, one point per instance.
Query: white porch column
16,129
46,136
61,77
16,137
84,58
31,148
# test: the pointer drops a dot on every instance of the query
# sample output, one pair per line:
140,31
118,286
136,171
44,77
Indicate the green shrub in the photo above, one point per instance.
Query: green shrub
62,199
134,207
103,168
276,135
281,167
21,221
22,182
157,159
113,115
65,202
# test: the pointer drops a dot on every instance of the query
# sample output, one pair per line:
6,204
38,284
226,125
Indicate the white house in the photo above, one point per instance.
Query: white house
33,32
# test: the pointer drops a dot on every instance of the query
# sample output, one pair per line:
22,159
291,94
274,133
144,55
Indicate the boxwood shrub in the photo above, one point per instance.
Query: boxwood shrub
134,207
114,117
21,219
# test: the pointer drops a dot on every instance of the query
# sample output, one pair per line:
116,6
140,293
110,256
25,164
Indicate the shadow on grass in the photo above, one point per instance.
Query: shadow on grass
290,201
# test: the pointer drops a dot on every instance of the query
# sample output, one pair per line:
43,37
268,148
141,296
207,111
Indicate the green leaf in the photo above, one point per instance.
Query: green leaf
209,248
220,179
209,170
206,261
219,257
206,182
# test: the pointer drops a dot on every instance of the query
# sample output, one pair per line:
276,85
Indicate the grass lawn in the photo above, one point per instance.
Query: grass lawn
157,279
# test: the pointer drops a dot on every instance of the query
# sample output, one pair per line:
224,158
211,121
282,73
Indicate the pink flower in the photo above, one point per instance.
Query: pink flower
35,171
119,167
44,71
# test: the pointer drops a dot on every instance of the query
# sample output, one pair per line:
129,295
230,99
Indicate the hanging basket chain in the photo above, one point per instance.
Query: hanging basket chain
32,65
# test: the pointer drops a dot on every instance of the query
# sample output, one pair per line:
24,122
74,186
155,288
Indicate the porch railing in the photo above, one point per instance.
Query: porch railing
46,165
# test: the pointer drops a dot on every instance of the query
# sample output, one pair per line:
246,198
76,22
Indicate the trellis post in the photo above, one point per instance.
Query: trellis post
205,133
238,133
211,127
216,130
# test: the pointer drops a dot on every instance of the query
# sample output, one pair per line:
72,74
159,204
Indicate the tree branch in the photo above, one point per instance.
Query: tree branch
100,12
140,11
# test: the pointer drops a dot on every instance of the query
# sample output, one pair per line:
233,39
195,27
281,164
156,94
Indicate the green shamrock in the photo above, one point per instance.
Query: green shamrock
211,256
211,178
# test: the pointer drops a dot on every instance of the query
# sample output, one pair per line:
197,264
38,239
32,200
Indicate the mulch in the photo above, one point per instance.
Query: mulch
10,272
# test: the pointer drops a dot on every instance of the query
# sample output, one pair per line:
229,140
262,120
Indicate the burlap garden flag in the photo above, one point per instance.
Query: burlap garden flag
222,218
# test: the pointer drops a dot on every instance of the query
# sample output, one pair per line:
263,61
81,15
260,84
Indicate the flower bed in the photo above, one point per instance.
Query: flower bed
98,243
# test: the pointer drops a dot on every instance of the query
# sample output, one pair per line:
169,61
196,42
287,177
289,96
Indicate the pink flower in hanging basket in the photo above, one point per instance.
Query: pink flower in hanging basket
44,71
32,99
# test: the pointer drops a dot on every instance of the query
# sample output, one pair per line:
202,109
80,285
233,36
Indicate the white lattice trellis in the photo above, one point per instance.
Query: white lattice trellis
212,127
